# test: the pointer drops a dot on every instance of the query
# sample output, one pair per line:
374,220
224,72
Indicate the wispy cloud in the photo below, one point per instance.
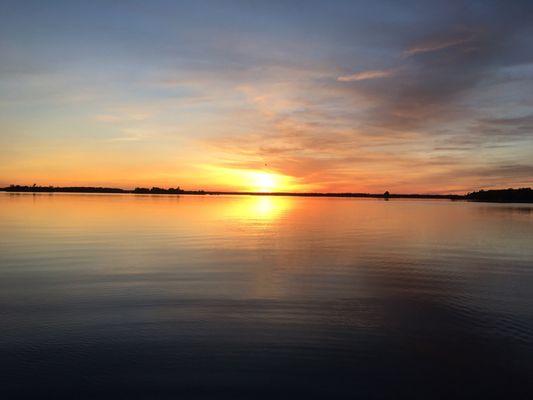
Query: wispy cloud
122,116
131,135
364,75
437,44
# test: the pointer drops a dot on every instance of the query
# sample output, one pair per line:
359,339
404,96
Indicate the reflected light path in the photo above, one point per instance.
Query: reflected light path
253,208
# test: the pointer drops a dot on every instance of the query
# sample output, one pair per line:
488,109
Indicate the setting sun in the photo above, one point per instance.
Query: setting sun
255,180
264,181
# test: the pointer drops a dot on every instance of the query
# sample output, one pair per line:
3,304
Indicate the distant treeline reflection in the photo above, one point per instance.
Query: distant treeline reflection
522,195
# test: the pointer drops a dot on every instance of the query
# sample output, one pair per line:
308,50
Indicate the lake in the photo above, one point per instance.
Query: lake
139,296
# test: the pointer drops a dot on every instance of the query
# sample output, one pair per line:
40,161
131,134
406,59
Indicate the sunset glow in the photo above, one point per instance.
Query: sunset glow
264,182
249,180
232,96
266,199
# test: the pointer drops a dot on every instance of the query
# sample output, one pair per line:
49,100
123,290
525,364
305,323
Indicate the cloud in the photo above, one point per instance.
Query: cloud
431,92
525,121
364,75
123,115
430,45
505,129
134,135
107,118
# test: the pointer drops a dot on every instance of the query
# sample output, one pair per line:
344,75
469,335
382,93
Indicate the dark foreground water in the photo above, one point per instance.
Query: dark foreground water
124,296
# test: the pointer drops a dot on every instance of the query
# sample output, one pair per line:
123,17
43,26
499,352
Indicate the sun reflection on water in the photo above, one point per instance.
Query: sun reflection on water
258,208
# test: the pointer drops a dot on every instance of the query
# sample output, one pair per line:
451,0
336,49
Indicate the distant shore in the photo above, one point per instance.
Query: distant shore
522,195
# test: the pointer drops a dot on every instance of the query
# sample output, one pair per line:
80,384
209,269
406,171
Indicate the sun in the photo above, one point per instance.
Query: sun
264,181
254,180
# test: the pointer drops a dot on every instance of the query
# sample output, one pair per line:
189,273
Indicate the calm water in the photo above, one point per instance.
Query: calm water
245,297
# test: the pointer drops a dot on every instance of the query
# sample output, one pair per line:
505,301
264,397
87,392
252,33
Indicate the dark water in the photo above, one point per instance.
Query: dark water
254,297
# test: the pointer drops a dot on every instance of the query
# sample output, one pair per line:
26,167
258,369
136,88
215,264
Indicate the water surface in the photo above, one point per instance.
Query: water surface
130,296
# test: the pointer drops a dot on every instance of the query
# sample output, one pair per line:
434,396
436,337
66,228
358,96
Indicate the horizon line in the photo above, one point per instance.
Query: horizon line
177,191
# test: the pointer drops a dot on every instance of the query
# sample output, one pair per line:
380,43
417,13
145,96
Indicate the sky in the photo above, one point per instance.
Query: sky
338,96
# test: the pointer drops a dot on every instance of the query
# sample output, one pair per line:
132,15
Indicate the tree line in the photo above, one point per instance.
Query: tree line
521,195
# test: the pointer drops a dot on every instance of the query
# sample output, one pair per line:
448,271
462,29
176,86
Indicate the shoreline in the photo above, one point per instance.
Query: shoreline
490,196
90,190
